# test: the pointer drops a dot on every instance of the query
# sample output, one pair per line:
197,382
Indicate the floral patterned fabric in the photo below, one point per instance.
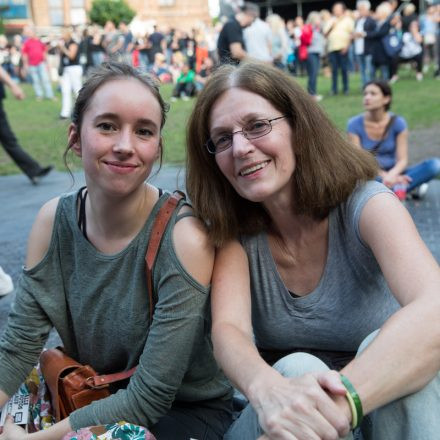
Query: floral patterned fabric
122,430
40,416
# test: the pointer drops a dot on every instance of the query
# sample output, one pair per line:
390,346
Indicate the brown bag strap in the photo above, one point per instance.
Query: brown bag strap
160,224
384,134
105,379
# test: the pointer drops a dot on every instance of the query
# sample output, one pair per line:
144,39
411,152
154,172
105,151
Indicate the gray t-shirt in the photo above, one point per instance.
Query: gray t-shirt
99,305
351,300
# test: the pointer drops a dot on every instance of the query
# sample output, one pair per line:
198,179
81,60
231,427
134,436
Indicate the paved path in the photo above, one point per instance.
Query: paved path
20,202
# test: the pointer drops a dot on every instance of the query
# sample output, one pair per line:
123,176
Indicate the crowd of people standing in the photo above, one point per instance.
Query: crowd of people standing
342,41
339,41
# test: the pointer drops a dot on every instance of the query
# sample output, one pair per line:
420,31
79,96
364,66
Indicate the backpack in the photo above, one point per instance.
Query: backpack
392,43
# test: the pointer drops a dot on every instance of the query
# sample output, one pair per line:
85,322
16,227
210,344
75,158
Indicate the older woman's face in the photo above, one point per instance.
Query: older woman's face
259,169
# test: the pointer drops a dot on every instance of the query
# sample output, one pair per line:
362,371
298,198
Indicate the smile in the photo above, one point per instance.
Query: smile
253,168
120,167
121,164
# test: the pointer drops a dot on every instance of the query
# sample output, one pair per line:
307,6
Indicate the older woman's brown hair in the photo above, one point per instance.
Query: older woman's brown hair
328,166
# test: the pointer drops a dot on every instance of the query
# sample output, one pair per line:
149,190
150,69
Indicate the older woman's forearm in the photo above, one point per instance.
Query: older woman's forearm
238,357
402,359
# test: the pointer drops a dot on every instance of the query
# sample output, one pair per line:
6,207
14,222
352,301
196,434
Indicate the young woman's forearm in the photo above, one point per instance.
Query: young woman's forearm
15,432
55,432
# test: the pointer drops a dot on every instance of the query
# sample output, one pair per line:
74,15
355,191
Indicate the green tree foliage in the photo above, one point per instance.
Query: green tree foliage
113,10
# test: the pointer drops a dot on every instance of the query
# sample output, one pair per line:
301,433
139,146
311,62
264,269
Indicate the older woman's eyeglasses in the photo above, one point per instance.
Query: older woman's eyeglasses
252,130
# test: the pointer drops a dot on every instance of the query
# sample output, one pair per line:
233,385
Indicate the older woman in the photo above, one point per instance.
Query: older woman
315,256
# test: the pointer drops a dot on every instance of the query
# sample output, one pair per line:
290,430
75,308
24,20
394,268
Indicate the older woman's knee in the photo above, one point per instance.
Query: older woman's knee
297,364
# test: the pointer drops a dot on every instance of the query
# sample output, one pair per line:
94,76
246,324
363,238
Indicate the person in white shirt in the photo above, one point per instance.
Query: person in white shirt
361,46
257,38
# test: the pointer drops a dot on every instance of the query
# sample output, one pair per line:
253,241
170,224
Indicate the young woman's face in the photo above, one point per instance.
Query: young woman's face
374,99
120,136
258,169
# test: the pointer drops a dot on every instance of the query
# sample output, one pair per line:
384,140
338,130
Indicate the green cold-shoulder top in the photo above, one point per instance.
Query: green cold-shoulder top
99,306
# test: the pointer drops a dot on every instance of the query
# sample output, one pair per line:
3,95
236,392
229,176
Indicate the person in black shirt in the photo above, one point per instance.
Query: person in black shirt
230,45
71,72
157,43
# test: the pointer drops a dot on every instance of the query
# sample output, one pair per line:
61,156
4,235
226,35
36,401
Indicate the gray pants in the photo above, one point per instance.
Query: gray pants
414,417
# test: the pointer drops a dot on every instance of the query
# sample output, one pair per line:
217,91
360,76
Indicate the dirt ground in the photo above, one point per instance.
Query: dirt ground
424,143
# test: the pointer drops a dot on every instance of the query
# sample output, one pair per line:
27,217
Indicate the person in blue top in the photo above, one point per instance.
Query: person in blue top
386,135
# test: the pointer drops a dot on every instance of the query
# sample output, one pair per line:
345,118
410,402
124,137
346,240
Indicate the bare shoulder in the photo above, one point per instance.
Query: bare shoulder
193,247
406,262
382,209
41,233
384,218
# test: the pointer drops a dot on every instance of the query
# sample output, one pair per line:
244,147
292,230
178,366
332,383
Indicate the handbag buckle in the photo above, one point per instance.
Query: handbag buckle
90,381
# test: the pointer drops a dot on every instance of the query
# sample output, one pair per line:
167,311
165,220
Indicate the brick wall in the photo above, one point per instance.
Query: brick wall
183,14
40,12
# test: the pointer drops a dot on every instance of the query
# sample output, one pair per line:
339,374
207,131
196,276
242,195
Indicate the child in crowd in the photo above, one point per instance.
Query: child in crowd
185,85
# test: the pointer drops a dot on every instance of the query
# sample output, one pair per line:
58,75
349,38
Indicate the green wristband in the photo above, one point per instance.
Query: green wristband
356,399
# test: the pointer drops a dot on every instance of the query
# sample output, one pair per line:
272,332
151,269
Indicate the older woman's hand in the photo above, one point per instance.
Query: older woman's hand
307,407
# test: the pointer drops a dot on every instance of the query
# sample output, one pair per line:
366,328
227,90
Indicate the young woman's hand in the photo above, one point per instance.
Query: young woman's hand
307,407
12,431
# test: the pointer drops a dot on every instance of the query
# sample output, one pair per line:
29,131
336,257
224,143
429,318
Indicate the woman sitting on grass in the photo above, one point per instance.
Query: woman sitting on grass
386,136
85,276
315,256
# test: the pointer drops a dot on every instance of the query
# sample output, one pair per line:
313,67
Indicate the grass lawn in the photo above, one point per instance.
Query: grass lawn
43,135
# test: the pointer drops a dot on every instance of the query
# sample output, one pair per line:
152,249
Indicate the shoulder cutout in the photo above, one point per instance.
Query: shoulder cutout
193,248
41,233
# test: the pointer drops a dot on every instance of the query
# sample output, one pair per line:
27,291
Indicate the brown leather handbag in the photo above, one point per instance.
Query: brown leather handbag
73,385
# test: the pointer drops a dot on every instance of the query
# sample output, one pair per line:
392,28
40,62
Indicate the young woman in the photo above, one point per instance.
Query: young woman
386,135
85,276
314,257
